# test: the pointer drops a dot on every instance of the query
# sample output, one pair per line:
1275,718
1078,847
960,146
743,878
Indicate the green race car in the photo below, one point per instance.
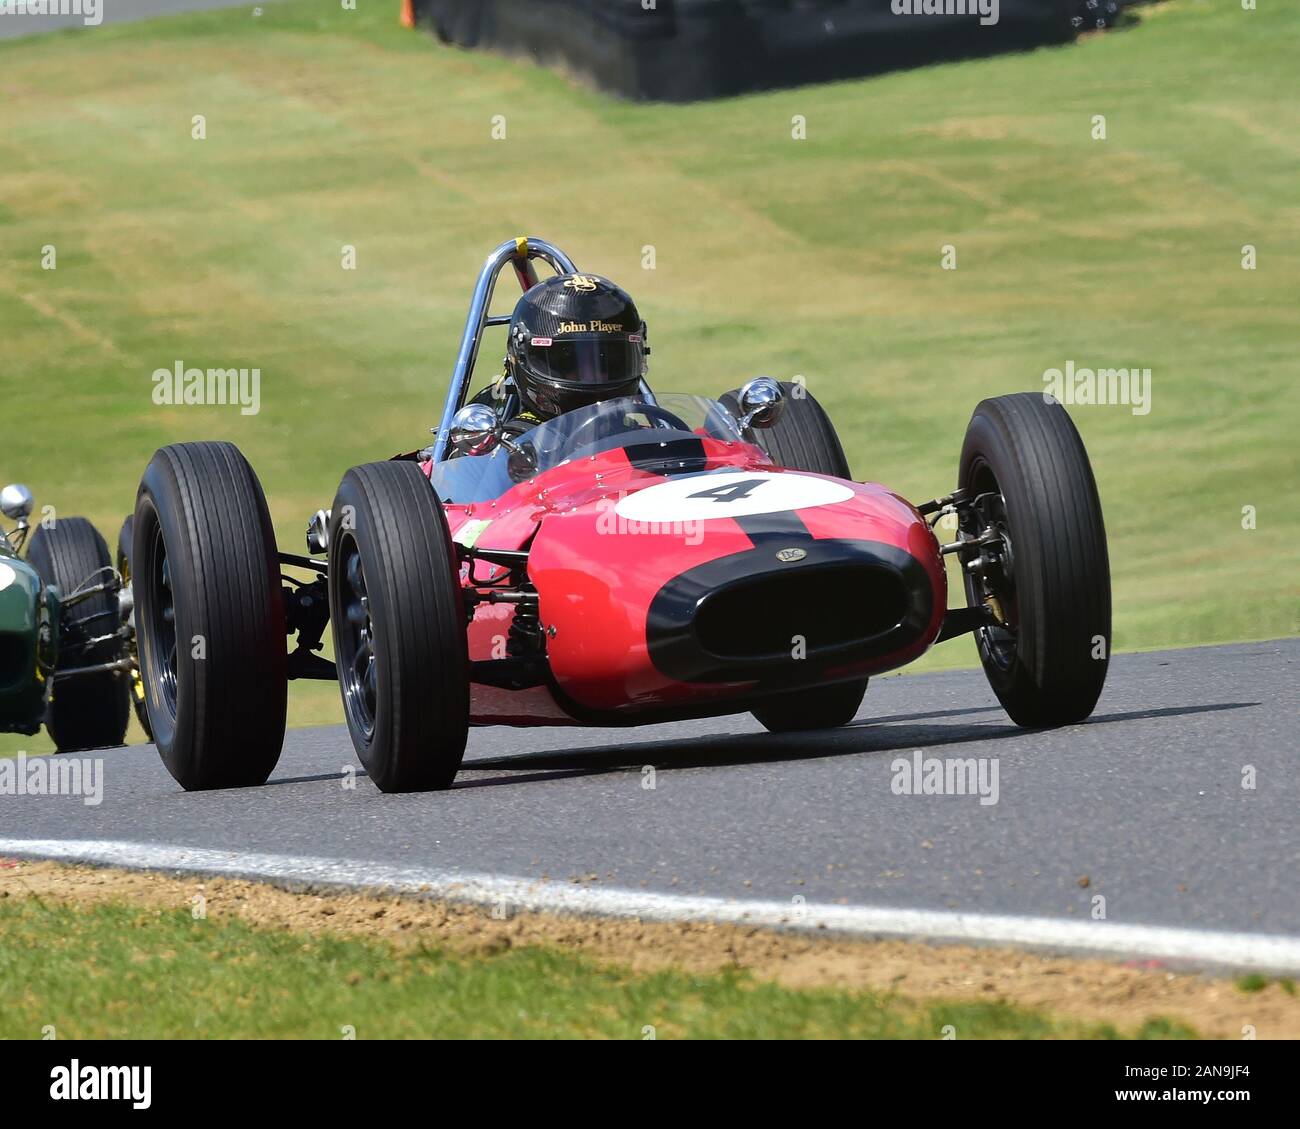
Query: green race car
65,632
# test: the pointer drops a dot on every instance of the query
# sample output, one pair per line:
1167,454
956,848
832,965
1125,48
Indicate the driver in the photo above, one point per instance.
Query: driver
574,340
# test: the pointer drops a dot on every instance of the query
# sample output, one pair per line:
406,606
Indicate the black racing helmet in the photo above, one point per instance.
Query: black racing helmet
574,340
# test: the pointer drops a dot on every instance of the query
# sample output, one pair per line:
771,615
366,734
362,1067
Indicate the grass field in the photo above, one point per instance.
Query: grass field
118,971
819,257
97,951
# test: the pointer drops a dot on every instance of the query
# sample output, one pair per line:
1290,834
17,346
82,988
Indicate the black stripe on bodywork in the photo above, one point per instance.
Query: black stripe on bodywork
669,457
783,525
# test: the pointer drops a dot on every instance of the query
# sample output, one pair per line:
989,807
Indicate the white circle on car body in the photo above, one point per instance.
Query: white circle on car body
7,575
739,493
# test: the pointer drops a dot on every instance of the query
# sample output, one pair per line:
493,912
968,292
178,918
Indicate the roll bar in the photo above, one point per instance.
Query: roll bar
520,253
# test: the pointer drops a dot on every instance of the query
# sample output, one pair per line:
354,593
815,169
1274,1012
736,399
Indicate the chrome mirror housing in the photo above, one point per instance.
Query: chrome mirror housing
475,430
762,400
16,501
318,532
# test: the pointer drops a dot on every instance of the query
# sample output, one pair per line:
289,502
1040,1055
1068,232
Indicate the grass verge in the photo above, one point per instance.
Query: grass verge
107,953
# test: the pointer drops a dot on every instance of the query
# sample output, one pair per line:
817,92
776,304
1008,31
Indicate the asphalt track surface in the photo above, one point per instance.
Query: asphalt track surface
1143,805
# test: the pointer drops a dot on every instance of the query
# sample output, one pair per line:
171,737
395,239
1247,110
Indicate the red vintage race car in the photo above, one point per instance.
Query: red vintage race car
645,559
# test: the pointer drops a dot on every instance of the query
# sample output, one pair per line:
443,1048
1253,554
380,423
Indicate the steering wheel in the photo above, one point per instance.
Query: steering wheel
660,418
524,464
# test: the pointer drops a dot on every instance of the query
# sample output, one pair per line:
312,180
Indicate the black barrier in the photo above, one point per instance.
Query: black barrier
687,50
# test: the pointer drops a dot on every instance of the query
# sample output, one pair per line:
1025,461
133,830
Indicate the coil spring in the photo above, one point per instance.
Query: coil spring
525,636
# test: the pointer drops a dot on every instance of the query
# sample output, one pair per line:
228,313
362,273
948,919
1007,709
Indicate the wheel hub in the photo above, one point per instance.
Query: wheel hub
357,644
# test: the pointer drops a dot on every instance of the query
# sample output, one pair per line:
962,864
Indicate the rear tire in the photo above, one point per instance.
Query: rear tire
90,710
210,617
136,683
399,627
803,438
1048,664
824,707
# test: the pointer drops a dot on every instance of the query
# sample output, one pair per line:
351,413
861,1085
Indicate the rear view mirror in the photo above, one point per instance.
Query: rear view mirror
475,430
16,501
762,400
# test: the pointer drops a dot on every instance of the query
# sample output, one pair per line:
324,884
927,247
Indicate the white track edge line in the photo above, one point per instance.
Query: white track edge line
1200,947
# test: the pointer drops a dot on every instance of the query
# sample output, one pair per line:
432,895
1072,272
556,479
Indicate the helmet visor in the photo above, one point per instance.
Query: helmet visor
586,360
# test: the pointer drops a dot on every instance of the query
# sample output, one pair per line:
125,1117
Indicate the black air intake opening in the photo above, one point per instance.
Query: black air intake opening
14,651
830,607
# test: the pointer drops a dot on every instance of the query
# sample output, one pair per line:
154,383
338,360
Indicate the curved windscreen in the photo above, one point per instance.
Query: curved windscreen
660,434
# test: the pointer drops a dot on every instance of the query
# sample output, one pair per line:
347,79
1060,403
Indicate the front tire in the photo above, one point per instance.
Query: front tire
824,707
210,617
88,711
399,627
1027,475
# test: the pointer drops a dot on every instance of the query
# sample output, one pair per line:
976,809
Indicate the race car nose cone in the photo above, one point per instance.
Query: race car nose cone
738,617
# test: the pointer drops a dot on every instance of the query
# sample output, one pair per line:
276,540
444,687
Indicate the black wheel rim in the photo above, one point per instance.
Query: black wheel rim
356,652
994,585
133,650
162,625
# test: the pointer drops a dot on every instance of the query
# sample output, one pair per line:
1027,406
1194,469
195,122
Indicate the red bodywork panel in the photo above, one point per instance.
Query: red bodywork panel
597,574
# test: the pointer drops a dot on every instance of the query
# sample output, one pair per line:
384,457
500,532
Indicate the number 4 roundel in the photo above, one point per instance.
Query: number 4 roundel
729,494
